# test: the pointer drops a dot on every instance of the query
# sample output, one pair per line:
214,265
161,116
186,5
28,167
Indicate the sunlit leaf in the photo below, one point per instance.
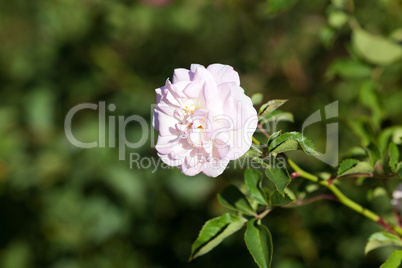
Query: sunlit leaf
257,98
259,242
382,239
292,141
394,260
274,136
337,18
270,106
353,166
214,232
376,49
254,151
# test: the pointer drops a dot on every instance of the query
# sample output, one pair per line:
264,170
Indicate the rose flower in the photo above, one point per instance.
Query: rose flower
204,119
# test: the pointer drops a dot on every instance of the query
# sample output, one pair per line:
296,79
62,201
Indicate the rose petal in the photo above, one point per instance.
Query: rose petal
224,73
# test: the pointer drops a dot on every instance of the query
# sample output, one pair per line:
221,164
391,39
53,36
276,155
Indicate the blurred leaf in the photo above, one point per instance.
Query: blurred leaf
394,260
40,111
327,36
362,129
337,19
291,141
393,156
257,98
373,153
347,5
399,169
233,199
340,4
389,134
276,199
397,35
253,180
376,49
348,68
280,177
369,98
393,105
381,239
17,255
214,232
270,106
259,242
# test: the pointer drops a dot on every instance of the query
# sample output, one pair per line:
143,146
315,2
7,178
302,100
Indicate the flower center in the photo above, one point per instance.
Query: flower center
189,109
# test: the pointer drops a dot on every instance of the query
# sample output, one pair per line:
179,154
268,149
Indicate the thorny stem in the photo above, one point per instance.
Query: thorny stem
263,214
346,201
259,126
302,202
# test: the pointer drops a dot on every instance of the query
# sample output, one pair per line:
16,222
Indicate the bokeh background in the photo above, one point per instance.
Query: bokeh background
67,207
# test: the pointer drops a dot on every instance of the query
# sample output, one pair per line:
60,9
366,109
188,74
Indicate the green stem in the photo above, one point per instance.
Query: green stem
345,200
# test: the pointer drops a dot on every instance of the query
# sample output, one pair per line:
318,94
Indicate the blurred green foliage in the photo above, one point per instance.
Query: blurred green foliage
66,207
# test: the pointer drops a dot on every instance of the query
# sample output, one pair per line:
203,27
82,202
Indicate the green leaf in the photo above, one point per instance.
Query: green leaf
254,151
347,5
369,98
253,180
277,116
259,242
348,68
327,36
270,106
337,19
374,153
289,145
399,169
257,98
232,198
276,6
261,161
274,136
381,239
393,133
276,199
292,141
393,156
353,166
394,260
280,177
376,49
214,232
362,129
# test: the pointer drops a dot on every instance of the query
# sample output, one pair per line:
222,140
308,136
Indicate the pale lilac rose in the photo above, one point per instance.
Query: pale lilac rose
204,119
